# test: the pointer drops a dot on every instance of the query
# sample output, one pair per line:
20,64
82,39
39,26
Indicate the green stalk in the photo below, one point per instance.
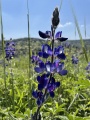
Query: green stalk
75,97
78,29
75,32
3,51
60,5
12,82
29,44
85,27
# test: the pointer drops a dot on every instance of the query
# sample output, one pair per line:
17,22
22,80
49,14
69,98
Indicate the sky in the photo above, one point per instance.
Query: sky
14,13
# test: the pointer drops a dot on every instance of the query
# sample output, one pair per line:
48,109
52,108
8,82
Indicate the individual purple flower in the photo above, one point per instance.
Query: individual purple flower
39,96
88,67
52,86
40,68
49,67
59,52
74,60
45,35
59,37
88,71
36,59
10,50
45,51
59,68
43,81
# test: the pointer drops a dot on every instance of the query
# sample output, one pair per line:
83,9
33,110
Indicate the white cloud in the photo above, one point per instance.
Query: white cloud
65,25
82,26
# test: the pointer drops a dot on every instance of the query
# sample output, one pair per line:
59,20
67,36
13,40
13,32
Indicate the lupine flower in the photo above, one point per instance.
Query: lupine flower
10,50
59,37
74,60
88,67
35,59
43,81
59,52
45,51
46,81
52,86
48,68
39,96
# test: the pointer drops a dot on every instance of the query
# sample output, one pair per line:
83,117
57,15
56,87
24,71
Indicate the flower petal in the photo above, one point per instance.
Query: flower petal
40,54
38,79
52,94
34,94
40,86
38,70
39,102
57,84
63,72
61,56
61,39
42,35
58,34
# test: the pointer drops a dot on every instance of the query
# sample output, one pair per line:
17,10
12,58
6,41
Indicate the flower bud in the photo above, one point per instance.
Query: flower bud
55,18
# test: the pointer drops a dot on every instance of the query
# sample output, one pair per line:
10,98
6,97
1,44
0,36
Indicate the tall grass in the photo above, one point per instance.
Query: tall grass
29,46
2,39
78,30
60,5
85,27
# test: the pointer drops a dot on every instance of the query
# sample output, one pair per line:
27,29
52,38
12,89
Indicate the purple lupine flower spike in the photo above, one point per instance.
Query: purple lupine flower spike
10,50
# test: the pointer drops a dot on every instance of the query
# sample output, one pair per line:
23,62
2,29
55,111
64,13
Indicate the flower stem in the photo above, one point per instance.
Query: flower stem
12,82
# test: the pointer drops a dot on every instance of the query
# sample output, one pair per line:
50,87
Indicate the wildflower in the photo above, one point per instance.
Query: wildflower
46,69
74,60
35,59
39,96
88,71
59,37
59,52
10,50
46,51
88,67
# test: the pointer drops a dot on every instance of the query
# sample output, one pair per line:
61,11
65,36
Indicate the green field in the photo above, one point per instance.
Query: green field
74,92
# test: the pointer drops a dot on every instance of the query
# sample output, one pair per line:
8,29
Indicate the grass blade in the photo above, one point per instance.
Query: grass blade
79,33
2,39
29,45
60,5
85,27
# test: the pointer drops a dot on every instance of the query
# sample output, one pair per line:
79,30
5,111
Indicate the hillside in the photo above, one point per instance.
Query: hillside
22,44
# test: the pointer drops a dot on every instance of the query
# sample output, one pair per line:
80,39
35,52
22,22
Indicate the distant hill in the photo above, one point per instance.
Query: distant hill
22,44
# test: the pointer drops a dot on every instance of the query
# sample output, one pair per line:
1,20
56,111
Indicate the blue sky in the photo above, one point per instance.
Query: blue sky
15,17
